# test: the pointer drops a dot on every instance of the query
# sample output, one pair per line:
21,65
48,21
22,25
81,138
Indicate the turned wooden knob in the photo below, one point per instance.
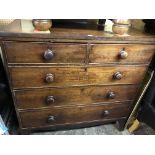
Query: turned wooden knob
123,54
117,76
49,78
50,100
48,54
51,119
106,113
111,95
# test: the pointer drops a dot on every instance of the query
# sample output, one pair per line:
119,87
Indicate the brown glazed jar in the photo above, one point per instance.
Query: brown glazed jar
120,29
42,24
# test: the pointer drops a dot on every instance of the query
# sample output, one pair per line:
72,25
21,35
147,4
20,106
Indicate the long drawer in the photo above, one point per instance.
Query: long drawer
76,114
49,97
121,53
24,77
25,52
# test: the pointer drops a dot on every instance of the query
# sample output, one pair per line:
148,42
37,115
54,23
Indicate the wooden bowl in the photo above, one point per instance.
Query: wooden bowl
120,29
42,24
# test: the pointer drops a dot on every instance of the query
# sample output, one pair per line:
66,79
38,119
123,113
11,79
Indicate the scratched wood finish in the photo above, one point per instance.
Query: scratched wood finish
109,53
27,99
75,114
76,34
78,53
23,52
67,76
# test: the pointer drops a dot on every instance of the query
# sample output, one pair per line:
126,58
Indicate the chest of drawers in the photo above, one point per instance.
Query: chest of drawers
74,78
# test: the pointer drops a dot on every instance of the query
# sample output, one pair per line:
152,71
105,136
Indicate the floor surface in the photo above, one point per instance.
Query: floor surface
144,130
108,129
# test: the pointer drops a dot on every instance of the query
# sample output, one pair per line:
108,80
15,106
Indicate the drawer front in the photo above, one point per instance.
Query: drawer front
114,53
77,114
24,77
73,96
22,52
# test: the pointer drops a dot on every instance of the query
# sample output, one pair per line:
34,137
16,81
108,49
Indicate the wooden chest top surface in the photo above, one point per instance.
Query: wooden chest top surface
91,33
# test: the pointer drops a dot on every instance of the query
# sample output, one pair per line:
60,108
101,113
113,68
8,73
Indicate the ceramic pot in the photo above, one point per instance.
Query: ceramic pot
42,24
120,29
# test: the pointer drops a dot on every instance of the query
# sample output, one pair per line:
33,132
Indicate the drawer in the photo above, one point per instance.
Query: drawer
121,53
76,114
25,77
57,97
25,52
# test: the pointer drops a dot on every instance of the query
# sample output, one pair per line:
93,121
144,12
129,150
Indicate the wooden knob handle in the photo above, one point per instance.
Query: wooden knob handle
48,54
117,76
51,119
106,113
50,100
111,95
49,78
123,54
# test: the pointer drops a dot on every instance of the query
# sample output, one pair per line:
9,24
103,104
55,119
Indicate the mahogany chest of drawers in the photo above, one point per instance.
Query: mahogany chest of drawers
74,78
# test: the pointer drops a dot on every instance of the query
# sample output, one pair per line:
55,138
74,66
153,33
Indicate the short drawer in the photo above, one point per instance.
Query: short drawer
121,53
25,52
49,97
76,114
25,77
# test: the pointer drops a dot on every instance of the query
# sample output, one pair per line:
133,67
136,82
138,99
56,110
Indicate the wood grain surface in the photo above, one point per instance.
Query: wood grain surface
29,99
78,77
27,77
76,34
77,114
23,52
109,53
